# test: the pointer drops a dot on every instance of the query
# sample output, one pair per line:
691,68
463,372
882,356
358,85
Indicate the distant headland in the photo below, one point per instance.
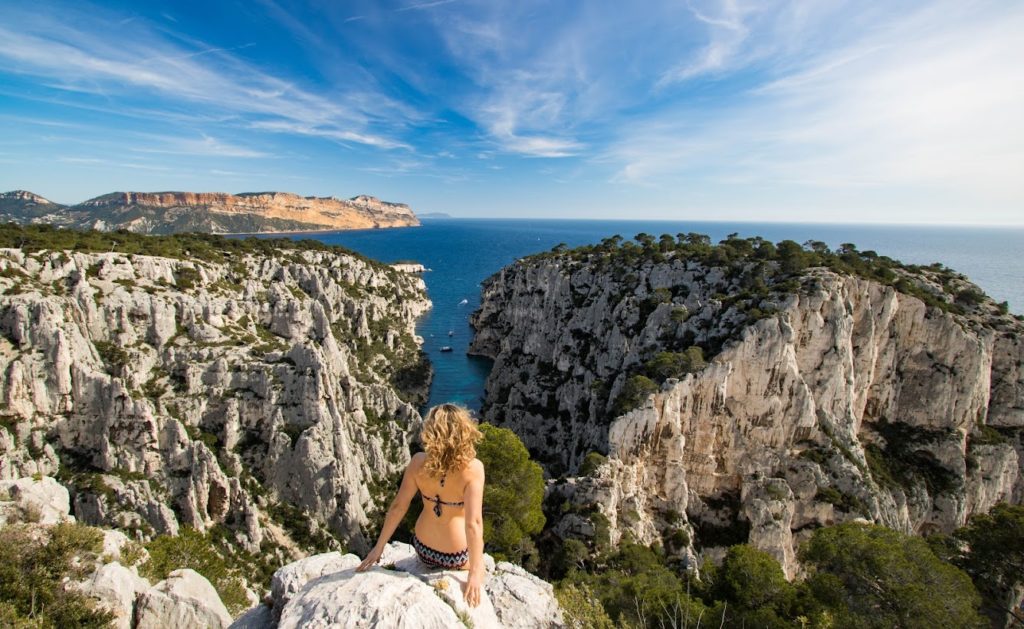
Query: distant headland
212,212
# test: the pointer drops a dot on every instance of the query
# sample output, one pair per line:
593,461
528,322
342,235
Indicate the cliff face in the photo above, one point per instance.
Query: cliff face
216,212
256,393
836,398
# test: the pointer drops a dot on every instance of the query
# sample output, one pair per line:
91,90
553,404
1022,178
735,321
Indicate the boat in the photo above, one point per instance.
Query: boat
451,332
446,348
463,302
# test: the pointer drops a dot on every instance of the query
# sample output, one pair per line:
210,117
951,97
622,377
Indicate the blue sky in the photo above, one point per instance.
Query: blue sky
723,110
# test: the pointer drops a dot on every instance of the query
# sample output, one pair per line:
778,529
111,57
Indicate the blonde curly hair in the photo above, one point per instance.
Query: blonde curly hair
449,437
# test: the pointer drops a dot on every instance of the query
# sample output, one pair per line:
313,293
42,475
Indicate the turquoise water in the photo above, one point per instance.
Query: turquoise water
461,253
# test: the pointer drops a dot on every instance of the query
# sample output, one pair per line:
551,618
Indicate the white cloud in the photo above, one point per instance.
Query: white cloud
86,59
929,102
727,32
328,132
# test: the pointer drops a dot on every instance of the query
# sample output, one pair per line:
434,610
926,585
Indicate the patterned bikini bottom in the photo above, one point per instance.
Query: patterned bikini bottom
438,559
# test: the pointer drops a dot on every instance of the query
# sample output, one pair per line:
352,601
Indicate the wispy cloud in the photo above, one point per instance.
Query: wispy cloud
205,145
931,100
102,162
328,132
726,31
89,61
419,6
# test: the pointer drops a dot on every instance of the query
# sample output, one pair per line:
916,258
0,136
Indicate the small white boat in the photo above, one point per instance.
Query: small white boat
446,348
451,332
463,302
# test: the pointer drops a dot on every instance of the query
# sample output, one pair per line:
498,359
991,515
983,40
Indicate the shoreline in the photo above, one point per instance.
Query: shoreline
309,231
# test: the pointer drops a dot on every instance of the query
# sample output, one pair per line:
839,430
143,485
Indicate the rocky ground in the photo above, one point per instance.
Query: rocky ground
321,590
701,405
267,398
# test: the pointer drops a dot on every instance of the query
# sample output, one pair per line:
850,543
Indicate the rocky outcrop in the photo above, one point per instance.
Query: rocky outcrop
184,599
214,212
325,591
116,588
829,398
40,499
251,392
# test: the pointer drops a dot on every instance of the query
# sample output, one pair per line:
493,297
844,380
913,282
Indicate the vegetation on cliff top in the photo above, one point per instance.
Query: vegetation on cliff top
774,263
858,576
190,246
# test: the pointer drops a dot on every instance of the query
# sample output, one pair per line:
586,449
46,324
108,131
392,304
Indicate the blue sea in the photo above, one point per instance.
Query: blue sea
460,253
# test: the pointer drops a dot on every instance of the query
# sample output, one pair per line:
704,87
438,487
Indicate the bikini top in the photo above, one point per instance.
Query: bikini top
438,502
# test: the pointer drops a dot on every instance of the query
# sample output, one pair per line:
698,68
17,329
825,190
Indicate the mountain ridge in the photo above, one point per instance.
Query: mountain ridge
169,212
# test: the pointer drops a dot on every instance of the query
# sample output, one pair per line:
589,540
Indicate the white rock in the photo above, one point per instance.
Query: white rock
44,501
522,600
376,598
730,442
291,578
184,599
511,596
116,588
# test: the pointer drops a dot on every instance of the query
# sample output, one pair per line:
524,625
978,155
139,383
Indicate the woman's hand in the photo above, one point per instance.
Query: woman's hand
371,558
472,592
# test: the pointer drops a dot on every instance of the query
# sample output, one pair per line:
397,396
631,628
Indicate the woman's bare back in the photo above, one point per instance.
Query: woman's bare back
442,524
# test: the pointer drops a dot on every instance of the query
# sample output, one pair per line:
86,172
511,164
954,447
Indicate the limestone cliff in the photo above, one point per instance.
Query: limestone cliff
265,391
213,212
826,396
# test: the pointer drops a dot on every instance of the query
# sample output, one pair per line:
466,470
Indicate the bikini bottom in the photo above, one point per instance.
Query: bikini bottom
438,559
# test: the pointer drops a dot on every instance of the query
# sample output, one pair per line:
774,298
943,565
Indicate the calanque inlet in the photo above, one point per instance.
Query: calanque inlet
232,416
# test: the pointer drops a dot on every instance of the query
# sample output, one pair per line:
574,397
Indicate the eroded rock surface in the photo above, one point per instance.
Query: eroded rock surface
258,392
184,599
325,591
836,398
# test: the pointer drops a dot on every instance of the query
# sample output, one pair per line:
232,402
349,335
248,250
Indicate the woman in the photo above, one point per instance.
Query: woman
449,533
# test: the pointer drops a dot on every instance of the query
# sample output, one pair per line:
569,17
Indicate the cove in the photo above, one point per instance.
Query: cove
461,253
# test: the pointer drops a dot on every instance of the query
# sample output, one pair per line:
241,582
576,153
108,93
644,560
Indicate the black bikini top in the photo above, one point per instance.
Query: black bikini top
438,502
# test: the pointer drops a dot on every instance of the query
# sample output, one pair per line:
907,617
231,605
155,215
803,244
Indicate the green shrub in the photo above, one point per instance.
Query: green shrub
871,576
991,550
634,391
34,563
113,356
591,462
636,589
581,609
194,550
666,365
513,495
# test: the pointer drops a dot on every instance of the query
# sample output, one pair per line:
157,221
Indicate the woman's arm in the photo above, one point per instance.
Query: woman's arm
474,499
396,511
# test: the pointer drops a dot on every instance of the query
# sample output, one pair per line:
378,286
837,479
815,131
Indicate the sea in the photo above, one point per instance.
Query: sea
460,253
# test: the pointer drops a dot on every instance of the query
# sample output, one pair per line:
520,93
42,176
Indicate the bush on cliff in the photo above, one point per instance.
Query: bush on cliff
991,550
859,576
636,589
634,391
34,564
871,576
192,549
512,496
753,584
